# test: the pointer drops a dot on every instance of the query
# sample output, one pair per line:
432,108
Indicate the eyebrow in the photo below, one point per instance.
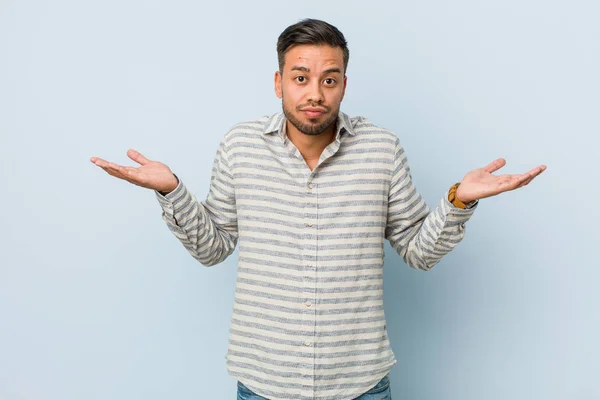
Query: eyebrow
307,70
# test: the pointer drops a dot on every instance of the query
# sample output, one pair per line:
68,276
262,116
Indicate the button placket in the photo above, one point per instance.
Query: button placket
310,215
310,191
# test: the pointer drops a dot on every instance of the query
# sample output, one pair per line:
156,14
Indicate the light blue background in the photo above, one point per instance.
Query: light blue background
99,301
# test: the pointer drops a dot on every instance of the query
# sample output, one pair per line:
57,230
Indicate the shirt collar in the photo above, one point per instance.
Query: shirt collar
276,124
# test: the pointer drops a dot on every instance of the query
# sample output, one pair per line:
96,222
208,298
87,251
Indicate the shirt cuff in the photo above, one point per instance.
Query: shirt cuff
455,214
171,199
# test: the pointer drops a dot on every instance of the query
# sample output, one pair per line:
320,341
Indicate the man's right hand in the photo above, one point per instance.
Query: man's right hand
151,174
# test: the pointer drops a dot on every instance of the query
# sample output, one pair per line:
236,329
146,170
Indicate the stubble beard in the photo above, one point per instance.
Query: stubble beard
310,129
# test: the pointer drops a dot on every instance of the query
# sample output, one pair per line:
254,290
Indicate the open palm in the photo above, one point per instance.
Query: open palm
151,174
481,183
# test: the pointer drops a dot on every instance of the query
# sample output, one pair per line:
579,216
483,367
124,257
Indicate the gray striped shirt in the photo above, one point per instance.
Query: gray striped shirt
308,319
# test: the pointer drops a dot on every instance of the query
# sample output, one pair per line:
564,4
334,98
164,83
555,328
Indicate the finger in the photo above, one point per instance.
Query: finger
506,183
520,179
114,166
103,163
111,168
510,182
123,176
112,171
495,165
98,161
137,157
525,182
537,170
115,170
131,174
532,175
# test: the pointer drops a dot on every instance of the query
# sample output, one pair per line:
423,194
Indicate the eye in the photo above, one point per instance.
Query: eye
329,81
300,79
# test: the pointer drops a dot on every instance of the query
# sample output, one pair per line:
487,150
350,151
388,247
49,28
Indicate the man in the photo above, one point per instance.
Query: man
311,194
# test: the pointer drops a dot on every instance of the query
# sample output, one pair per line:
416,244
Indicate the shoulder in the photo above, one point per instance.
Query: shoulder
249,128
365,129
250,138
249,132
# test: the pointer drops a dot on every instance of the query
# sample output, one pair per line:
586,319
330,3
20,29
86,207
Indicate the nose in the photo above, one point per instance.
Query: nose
315,92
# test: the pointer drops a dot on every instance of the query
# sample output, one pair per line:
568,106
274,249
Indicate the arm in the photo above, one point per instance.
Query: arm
419,236
207,229
423,238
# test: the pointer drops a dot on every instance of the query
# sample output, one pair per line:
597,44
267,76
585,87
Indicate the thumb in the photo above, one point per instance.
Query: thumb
495,165
137,157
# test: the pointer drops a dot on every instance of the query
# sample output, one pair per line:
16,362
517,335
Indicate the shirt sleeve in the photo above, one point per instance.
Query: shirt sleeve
208,229
420,236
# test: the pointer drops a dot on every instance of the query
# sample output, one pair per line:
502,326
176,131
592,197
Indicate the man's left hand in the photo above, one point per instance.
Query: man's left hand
480,183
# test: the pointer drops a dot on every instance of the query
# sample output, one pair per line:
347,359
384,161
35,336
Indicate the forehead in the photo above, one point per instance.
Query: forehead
315,55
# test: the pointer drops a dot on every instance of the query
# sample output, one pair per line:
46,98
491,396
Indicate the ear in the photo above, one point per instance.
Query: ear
344,90
278,90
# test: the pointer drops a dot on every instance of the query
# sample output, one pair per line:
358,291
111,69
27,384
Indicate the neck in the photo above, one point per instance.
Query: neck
310,146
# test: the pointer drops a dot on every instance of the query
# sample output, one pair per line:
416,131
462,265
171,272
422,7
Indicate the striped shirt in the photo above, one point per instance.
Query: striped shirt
308,319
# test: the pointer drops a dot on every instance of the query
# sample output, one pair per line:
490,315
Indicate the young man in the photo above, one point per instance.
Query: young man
311,194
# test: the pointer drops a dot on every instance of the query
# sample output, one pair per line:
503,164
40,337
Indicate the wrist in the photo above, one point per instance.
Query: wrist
170,188
456,200
462,199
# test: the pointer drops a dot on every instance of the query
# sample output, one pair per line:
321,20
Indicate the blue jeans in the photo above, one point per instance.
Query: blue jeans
381,391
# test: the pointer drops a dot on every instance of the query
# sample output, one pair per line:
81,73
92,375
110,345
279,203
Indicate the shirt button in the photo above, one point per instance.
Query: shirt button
308,343
309,225
310,186
308,304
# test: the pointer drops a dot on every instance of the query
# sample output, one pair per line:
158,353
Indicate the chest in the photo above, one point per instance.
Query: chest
343,192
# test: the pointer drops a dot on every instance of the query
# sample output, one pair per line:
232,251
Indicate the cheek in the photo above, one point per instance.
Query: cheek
291,95
335,96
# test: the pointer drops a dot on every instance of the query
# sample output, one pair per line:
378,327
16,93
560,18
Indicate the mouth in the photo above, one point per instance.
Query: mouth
313,112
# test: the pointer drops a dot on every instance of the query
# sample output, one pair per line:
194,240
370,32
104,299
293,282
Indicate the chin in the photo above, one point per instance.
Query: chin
315,121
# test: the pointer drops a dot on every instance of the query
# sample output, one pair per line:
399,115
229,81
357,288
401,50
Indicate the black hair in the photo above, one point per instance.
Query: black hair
311,31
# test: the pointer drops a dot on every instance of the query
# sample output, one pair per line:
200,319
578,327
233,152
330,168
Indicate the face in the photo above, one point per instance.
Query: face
312,86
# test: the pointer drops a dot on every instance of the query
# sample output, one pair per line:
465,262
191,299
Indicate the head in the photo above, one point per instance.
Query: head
311,81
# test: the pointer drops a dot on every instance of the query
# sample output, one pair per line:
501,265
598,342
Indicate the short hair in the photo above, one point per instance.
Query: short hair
311,31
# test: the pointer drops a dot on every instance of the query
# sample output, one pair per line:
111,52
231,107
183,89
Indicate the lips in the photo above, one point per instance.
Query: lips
313,112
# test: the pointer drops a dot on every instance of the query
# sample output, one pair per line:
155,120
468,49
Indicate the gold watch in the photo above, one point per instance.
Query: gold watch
455,201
